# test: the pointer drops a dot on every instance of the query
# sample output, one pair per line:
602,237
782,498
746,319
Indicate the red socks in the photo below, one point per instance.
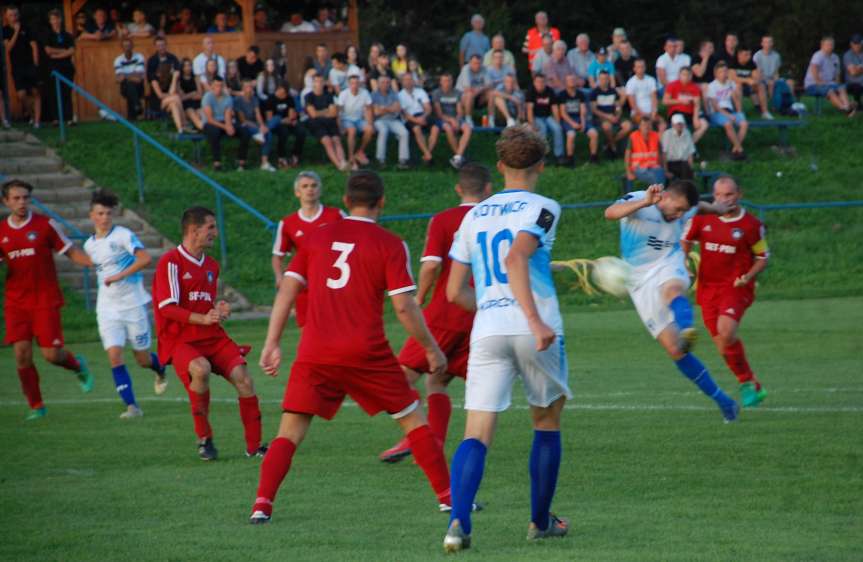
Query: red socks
428,453
250,413
274,468
70,362
200,410
735,358
439,409
29,378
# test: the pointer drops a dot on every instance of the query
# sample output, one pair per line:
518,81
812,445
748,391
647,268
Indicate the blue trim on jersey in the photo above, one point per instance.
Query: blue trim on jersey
512,190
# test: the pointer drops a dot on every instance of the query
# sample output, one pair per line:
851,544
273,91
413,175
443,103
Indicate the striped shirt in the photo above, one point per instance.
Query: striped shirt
128,66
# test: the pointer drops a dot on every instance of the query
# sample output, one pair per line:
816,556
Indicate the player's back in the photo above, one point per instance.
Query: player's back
646,238
348,266
441,232
28,250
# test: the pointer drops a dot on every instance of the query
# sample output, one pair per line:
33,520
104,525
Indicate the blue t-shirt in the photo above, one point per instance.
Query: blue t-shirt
219,105
385,101
595,67
473,43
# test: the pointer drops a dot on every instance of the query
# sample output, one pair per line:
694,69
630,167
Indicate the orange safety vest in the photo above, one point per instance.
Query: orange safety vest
645,154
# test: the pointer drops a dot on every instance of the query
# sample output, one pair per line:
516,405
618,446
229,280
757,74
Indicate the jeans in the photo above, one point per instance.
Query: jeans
650,175
252,130
214,137
283,131
133,92
386,126
546,124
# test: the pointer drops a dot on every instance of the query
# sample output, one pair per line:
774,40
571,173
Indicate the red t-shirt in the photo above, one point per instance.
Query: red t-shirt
534,40
728,246
294,228
441,230
347,267
191,284
28,250
675,90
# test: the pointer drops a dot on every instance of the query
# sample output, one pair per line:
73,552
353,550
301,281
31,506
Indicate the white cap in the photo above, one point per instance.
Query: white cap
678,119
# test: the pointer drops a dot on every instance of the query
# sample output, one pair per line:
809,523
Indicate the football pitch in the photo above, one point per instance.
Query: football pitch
649,472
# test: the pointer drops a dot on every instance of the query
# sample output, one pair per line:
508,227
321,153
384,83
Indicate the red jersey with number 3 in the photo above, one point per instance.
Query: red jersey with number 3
728,246
28,250
441,229
190,283
348,267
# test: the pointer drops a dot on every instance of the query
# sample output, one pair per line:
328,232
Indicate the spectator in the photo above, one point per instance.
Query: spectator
599,64
184,23
114,18
220,23
400,61
768,62
748,78
683,97
544,115
449,114
59,52
822,78
670,62
643,156
352,55
283,120
727,109
355,111
702,71
163,74
247,108
322,123
268,81
474,85
382,68
338,77
534,41
580,58
234,22
139,27
374,51
100,29
557,68
852,60
572,107
387,111
415,70
262,20
190,92
23,51
498,43
250,64
129,70
678,149
417,110
729,50
496,71
641,94
233,82
509,100
199,64
296,24
618,38
607,108
542,55
280,58
624,66
217,108
4,121
322,21
474,42
211,70
322,61
80,24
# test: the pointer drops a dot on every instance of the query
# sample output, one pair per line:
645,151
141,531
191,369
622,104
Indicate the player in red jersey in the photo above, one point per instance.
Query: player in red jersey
347,267
33,298
733,252
295,228
450,324
191,337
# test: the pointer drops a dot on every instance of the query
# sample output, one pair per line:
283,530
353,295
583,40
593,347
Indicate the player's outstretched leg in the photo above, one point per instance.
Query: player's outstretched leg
732,350
682,310
75,363
149,360
123,384
693,369
544,467
439,405
402,448
250,411
199,401
428,453
29,378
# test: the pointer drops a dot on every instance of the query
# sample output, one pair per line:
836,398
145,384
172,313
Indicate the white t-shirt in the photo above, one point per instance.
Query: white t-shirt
642,88
199,64
483,240
723,93
133,65
352,106
672,66
413,102
112,254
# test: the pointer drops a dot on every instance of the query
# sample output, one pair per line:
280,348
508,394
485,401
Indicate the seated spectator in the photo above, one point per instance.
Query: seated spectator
59,56
163,74
283,120
498,43
234,22
220,23
352,55
415,70
374,51
184,23
268,81
199,63
683,97
534,41
509,100
497,70
852,61
822,78
129,70
233,82
417,111
473,42
338,76
211,70
190,92
296,24
643,156
607,108
748,78
399,63
618,38
114,18
624,66
322,61
280,58
729,50
139,27
542,55
641,94
323,124
355,111
544,115
23,52
727,109
262,19
247,108
250,64
670,62
474,85
449,114
702,70
768,62
580,58
382,68
80,24
599,64
323,21
557,68
100,29
678,149
217,112
574,117
387,112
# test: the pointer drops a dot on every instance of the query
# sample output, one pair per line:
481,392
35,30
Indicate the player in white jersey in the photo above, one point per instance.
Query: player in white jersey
651,225
506,242
121,304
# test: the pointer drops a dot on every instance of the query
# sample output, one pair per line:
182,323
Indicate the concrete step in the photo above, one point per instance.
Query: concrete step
52,180
75,280
87,228
65,265
29,165
16,149
12,136
56,198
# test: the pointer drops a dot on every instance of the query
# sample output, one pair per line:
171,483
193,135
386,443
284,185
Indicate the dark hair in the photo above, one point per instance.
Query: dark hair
158,38
339,57
7,187
475,56
686,68
520,147
684,188
105,198
601,72
364,189
195,216
720,64
473,177
255,49
218,78
55,12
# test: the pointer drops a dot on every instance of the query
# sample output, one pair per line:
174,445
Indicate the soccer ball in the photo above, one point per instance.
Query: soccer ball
610,275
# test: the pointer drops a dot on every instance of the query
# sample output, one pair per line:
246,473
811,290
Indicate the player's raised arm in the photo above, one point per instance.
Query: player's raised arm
715,208
629,204
79,257
518,270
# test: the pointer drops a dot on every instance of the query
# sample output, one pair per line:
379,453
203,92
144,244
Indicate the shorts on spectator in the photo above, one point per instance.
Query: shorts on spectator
746,90
358,124
720,119
25,78
821,90
567,127
461,123
425,128
322,127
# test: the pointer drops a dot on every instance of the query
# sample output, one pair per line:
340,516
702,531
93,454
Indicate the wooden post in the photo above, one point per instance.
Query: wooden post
354,20
70,8
248,11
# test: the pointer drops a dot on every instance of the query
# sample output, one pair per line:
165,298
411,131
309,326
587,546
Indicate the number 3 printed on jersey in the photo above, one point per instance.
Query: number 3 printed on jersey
344,249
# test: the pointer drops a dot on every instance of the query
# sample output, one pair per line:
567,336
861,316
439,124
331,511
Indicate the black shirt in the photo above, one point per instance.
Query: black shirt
729,59
161,70
376,73
624,70
22,53
281,108
187,85
320,102
571,103
743,70
249,71
542,101
60,40
707,77
606,100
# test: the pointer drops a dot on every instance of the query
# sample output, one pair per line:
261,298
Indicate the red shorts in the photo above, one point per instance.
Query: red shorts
222,353
318,390
455,345
723,300
42,323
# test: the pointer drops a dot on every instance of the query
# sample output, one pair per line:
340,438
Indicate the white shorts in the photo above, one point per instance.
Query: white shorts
118,327
496,361
646,294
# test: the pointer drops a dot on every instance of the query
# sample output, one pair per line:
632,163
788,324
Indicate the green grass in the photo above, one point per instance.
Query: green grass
649,470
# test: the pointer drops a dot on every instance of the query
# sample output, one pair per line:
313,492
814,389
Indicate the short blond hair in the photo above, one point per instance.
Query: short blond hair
521,147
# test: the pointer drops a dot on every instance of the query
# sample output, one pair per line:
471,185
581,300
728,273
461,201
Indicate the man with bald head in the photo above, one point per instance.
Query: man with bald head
199,64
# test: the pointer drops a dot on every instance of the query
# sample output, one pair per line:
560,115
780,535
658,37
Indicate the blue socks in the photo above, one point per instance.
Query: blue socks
694,370
465,475
544,466
155,365
124,384
682,312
